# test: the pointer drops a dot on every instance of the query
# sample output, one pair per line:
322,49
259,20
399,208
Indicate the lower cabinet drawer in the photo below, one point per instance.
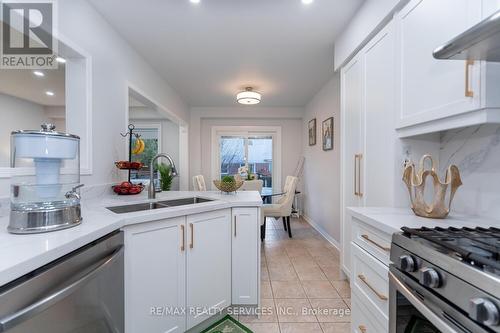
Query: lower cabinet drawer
375,242
370,280
362,319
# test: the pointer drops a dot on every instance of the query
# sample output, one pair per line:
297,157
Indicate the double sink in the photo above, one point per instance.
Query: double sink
157,205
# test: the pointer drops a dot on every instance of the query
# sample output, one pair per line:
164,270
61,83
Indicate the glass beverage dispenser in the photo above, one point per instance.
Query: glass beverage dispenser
45,181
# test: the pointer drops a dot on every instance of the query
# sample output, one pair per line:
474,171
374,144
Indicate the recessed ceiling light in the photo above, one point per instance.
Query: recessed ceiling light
307,2
38,73
194,1
248,97
49,93
61,60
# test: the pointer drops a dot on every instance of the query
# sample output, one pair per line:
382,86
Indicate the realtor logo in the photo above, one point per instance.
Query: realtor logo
27,37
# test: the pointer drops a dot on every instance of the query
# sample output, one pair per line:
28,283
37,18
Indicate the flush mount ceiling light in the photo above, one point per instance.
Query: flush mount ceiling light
248,97
194,1
49,93
307,2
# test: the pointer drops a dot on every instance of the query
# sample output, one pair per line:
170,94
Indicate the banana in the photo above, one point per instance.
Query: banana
138,147
143,145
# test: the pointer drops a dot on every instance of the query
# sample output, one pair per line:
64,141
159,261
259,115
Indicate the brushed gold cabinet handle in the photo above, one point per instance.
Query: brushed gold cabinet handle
191,245
183,235
368,239
360,156
468,90
362,328
355,175
235,226
365,281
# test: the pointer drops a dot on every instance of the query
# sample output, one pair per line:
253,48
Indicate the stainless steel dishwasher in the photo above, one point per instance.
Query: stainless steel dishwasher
80,292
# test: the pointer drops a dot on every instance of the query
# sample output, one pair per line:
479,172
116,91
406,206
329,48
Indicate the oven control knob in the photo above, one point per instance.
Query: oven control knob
429,277
407,263
484,311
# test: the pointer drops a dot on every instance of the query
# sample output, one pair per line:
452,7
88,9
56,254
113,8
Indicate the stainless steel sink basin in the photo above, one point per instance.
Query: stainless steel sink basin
156,205
136,207
185,201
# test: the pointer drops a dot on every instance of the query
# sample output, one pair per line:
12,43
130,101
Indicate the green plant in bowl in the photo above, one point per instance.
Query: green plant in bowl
166,176
228,179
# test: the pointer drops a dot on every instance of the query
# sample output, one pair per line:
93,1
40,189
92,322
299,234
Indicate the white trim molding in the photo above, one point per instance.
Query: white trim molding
323,232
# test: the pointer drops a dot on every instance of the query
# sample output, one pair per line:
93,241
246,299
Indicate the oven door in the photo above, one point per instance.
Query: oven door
413,308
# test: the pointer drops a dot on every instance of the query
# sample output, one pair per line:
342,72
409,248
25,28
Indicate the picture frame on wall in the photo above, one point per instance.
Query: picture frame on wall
312,132
327,134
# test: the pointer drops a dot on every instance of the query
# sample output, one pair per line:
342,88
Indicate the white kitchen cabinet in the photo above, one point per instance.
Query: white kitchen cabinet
369,138
379,137
208,267
435,95
245,253
155,279
352,110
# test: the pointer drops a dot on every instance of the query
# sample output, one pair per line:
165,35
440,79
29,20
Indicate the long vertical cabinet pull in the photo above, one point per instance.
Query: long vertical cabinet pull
191,245
468,91
234,225
183,238
360,157
355,175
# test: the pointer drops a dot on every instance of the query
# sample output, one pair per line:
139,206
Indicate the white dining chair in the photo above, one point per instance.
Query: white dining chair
252,185
199,183
283,208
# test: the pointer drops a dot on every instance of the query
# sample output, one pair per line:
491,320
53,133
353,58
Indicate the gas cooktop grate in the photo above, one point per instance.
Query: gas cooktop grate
476,246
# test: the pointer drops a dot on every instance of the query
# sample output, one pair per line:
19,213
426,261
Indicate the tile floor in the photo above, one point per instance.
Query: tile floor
301,283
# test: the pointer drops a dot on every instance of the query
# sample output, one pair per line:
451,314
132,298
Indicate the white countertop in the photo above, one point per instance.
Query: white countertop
391,220
21,254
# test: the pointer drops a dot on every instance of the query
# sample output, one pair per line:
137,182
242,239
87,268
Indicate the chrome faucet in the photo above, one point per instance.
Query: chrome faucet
151,189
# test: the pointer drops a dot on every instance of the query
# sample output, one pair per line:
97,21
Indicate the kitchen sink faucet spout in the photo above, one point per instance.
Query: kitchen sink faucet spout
151,189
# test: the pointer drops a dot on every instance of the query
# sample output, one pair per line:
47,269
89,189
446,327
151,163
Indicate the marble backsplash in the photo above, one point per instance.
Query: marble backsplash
476,152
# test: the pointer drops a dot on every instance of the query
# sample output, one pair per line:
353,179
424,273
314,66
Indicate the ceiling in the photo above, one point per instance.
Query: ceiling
211,50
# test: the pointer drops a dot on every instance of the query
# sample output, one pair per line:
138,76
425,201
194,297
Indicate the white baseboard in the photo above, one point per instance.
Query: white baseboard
322,231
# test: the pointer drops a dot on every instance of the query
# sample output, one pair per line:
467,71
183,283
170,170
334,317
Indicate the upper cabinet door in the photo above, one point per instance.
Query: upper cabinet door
431,89
208,264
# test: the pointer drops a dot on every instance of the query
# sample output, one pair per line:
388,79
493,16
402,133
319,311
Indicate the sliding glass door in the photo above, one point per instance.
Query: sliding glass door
254,149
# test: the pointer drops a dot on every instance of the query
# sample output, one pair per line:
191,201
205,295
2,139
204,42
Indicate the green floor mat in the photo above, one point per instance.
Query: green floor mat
227,325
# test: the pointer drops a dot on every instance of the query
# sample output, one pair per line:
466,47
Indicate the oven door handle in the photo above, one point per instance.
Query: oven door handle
417,303
10,321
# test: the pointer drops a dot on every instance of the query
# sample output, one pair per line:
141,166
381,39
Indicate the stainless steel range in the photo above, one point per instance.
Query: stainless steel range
445,280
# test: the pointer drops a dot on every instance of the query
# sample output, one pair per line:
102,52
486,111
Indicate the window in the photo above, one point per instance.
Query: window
258,148
151,135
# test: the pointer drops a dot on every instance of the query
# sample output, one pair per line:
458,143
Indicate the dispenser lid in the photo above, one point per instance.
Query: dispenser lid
47,129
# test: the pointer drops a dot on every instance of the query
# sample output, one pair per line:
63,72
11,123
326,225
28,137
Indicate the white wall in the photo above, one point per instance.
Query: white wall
115,65
321,196
16,114
204,118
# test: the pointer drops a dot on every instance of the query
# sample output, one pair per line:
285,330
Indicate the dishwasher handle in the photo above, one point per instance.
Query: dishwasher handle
30,311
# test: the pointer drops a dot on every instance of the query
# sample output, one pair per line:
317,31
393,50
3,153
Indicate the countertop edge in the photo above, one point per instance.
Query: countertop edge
74,238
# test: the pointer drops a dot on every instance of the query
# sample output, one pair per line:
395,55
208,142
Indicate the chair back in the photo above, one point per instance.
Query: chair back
199,183
253,185
286,201
288,182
